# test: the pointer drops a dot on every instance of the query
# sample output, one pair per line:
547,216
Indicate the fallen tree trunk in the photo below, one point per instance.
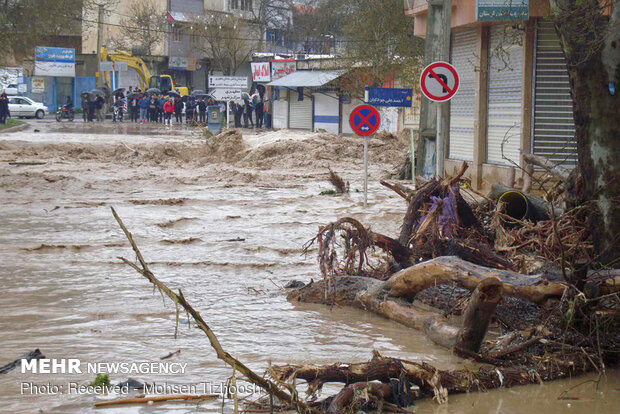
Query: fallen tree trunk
448,269
345,397
435,382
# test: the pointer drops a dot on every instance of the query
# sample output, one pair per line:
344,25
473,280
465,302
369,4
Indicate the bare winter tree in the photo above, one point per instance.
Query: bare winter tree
25,24
589,31
226,39
144,26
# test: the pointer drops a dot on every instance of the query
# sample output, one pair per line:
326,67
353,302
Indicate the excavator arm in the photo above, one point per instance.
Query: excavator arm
135,63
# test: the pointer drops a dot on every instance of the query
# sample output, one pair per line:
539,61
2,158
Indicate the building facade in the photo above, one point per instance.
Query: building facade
514,93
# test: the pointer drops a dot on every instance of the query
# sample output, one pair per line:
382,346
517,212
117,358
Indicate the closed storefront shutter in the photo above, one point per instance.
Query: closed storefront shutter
461,146
504,99
554,128
300,112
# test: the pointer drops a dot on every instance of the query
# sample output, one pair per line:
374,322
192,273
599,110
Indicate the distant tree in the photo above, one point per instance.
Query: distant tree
379,44
318,24
145,26
226,39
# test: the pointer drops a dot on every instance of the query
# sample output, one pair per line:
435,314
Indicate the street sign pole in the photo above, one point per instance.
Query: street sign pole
365,171
412,158
227,114
439,141
364,121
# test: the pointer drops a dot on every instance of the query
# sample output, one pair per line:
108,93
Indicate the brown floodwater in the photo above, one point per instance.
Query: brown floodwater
229,238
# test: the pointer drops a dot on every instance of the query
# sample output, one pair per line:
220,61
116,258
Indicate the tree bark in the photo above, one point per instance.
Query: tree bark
433,381
592,48
480,309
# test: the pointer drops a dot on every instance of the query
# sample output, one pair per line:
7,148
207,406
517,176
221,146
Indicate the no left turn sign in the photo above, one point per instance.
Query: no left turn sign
439,81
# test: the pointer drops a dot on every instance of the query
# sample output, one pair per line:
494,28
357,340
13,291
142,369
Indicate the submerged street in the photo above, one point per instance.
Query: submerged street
226,224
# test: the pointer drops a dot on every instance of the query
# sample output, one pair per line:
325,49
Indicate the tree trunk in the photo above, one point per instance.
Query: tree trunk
592,48
480,310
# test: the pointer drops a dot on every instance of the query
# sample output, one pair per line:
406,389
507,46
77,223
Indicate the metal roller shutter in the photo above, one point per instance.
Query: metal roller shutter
300,112
554,127
462,105
504,101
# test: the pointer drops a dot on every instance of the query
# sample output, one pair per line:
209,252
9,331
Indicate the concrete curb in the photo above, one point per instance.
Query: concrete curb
16,128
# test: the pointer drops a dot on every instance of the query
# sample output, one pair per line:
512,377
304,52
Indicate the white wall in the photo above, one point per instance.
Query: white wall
280,111
326,112
346,113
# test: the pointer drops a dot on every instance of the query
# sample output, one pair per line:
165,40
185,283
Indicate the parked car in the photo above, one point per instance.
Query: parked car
11,89
21,107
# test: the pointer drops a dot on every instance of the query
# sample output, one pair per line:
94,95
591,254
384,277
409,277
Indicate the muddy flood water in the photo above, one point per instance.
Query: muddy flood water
227,225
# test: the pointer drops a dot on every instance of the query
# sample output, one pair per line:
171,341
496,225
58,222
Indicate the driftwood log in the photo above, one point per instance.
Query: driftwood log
392,298
435,382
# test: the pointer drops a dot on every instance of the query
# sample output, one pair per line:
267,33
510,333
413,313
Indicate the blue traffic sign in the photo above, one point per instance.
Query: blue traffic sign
364,120
389,97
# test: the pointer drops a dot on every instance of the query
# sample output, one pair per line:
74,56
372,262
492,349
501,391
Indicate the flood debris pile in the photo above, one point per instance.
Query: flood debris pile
529,274
555,316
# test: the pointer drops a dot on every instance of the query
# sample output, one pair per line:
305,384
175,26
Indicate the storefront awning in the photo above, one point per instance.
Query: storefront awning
307,78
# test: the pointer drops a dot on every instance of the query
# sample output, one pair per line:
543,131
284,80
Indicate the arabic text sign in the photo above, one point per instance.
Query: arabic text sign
490,10
281,68
261,72
54,54
224,94
230,82
389,97
177,62
38,85
54,61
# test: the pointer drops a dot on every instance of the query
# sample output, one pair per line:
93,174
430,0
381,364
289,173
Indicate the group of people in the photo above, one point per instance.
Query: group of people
252,105
142,107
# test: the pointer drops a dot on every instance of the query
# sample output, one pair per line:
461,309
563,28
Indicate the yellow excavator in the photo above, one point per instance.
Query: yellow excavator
161,82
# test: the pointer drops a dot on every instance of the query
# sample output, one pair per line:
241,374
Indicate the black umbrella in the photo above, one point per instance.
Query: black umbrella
96,92
198,92
173,93
132,94
153,91
118,90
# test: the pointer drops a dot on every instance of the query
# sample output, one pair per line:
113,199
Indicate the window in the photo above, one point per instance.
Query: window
240,5
193,39
274,36
176,35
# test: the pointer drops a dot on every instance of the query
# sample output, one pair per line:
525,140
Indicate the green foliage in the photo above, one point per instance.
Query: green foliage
101,381
10,123
328,192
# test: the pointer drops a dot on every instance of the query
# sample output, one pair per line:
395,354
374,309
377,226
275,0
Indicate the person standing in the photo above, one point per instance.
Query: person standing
160,108
84,104
259,110
153,108
144,104
4,108
168,110
202,111
238,111
99,103
178,110
189,111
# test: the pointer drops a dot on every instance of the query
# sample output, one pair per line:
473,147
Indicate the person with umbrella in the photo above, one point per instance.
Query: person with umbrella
84,98
98,107
178,110
144,104
202,111
168,110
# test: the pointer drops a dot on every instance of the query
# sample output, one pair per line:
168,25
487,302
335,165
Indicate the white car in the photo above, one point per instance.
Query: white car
11,89
20,106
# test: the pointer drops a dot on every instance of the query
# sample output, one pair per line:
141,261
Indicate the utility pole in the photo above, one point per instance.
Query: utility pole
99,43
436,47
